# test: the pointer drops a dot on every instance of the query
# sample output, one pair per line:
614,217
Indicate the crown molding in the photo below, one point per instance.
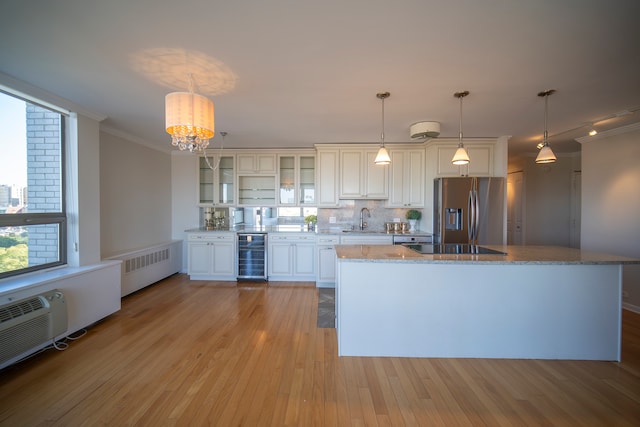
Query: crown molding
132,138
40,96
609,133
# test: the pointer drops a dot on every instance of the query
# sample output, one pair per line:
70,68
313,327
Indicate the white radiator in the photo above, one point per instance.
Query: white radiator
146,266
30,322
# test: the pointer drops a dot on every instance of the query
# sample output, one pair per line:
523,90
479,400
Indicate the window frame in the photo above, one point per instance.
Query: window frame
43,218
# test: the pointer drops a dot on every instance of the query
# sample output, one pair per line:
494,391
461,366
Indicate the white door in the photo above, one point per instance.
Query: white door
576,202
515,223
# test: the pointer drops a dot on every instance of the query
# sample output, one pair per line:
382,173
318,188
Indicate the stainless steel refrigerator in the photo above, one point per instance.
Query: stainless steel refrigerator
470,210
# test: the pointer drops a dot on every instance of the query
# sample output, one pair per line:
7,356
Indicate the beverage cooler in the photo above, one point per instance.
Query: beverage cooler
252,256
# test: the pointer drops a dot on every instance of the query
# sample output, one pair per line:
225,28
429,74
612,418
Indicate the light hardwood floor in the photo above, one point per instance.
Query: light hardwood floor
213,353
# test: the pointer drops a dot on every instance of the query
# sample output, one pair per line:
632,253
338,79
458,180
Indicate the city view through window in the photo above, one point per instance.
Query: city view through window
32,219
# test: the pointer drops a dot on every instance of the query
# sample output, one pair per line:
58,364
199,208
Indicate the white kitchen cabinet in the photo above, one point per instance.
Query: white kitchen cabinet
406,178
360,177
216,179
481,164
292,257
326,253
256,190
327,177
212,256
261,163
296,177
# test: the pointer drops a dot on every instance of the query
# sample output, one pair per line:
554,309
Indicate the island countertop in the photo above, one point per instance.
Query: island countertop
514,255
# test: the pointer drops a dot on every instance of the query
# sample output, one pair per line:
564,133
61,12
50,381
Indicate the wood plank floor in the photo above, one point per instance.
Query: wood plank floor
212,353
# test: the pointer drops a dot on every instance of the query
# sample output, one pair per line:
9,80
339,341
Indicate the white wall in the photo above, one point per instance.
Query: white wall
135,195
611,200
185,213
547,199
88,181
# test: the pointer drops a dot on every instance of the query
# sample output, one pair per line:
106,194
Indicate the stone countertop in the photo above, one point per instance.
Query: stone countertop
514,255
253,229
300,229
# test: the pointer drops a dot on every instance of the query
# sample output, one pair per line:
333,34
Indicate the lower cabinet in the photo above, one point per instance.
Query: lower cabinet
326,277
292,257
212,256
366,239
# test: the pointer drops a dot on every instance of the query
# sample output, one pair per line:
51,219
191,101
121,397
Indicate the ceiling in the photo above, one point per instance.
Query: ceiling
291,73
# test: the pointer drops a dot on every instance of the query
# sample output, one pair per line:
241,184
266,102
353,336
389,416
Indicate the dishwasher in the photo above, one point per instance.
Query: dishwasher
252,256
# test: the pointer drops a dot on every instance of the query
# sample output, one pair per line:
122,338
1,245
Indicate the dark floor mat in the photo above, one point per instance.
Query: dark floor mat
326,308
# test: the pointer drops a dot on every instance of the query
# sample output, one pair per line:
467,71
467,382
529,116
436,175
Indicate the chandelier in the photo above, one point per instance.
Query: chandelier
189,119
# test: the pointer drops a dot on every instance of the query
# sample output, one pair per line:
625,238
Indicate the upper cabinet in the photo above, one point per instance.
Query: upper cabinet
216,178
488,157
406,178
262,163
360,177
256,190
256,175
296,176
481,161
327,178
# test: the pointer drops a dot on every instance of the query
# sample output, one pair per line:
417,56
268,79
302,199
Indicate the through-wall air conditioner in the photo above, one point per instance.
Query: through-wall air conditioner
30,322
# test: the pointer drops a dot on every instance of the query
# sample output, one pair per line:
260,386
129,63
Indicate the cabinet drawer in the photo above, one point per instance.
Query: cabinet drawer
291,239
211,237
328,240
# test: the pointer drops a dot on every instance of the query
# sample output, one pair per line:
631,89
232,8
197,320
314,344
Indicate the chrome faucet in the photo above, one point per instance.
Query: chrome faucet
363,224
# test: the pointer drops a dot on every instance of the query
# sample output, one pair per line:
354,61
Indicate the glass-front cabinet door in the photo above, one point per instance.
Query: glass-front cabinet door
296,174
287,188
216,180
307,179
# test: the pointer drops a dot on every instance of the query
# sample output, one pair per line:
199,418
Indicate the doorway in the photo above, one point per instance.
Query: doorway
515,208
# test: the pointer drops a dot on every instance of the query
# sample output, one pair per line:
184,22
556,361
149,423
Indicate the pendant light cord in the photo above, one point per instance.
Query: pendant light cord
460,134
382,135
206,159
382,96
546,109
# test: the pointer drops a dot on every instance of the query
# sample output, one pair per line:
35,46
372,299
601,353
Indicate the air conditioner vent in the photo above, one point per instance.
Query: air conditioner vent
423,130
20,309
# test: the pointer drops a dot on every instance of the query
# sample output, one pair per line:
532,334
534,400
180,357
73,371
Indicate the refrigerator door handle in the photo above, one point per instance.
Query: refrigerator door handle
476,216
470,216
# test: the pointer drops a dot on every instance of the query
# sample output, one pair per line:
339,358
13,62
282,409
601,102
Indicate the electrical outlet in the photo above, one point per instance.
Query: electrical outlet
625,294
332,220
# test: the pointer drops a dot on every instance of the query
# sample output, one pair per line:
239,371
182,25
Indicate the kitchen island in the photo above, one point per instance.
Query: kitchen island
541,302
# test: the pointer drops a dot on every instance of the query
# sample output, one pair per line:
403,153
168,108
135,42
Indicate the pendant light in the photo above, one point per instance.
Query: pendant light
382,158
546,154
461,157
189,119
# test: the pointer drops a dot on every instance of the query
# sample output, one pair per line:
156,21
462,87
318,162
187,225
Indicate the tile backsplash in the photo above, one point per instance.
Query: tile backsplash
348,215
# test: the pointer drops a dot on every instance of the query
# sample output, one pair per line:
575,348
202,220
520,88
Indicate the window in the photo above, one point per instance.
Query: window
32,202
296,214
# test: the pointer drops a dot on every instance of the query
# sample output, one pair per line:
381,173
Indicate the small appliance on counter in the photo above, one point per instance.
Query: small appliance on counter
214,219
396,227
